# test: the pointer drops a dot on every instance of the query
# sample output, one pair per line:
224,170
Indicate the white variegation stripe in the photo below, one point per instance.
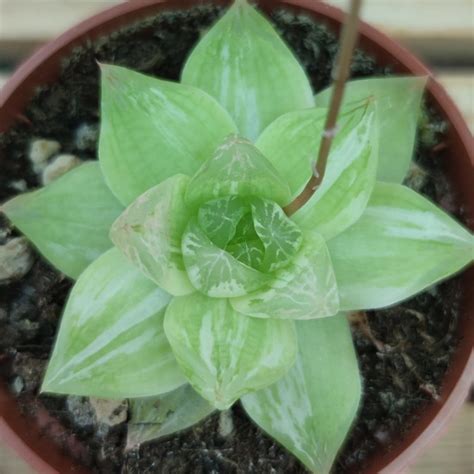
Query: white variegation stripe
237,168
349,178
397,100
280,236
401,245
290,143
237,61
111,342
215,271
305,289
153,129
68,220
225,354
219,218
311,409
149,234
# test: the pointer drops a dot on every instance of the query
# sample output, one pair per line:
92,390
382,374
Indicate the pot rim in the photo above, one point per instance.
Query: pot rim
19,89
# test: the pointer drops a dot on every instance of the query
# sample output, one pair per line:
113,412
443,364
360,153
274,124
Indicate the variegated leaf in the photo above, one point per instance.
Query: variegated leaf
250,252
68,220
311,409
292,142
245,231
111,342
246,66
157,417
280,236
291,145
225,354
149,234
305,289
401,245
397,100
219,218
214,271
153,129
237,167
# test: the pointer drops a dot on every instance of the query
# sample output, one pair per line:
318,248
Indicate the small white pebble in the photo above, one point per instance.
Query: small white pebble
16,259
226,425
19,185
58,167
86,137
41,151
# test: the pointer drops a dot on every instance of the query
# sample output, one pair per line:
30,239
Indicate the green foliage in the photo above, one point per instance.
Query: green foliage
157,417
209,278
245,65
397,100
224,354
153,129
149,234
401,245
305,289
291,141
310,409
68,220
112,323
237,168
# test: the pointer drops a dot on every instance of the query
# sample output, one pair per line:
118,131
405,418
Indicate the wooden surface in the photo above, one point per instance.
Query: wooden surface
440,31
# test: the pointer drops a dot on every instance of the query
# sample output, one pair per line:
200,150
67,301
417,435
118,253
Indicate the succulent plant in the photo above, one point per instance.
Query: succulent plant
194,288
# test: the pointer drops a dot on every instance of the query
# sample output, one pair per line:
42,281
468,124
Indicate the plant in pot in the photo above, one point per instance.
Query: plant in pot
217,259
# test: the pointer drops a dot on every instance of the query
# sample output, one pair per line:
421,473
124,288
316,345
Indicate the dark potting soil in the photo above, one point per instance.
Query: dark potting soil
403,351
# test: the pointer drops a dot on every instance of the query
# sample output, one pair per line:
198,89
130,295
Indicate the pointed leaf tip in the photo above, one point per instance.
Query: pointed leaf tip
153,129
111,342
237,167
291,144
311,409
149,234
225,354
69,220
397,100
237,60
401,245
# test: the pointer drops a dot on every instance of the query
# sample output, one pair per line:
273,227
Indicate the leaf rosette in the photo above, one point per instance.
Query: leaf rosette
194,288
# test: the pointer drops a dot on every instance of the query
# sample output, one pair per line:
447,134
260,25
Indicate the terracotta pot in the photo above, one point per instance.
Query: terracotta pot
43,67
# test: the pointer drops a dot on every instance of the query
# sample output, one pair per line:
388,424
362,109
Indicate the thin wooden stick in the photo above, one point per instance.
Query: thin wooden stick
340,75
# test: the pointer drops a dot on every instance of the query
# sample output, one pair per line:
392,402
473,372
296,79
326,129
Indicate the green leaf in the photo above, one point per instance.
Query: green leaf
246,66
219,218
401,245
214,271
68,220
149,234
398,102
280,236
311,409
292,144
225,354
250,253
237,167
305,289
157,417
111,342
153,129
245,230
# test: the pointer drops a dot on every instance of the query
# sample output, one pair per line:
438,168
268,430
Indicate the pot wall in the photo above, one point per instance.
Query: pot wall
43,68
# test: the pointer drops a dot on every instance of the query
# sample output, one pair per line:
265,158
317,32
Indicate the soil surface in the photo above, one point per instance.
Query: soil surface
404,351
